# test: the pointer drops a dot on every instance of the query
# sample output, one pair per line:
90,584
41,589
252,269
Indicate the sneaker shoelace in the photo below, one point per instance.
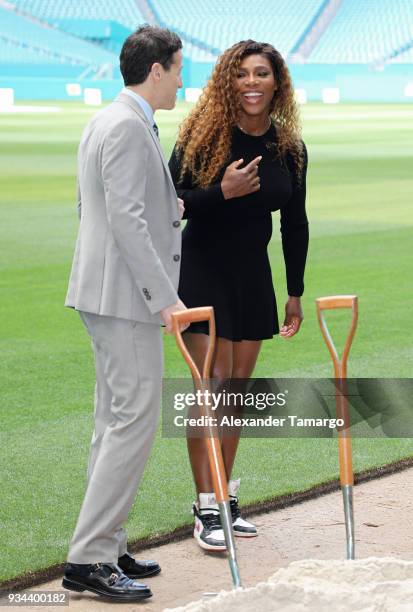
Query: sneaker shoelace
211,520
235,511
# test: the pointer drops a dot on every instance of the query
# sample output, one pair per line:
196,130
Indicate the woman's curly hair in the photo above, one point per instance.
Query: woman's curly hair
204,139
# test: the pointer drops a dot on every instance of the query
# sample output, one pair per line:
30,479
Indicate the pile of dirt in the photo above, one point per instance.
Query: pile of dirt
368,585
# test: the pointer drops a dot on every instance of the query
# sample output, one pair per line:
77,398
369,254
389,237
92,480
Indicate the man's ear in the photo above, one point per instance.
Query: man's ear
155,71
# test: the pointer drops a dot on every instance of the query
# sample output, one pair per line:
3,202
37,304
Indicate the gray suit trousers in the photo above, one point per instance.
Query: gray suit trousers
129,368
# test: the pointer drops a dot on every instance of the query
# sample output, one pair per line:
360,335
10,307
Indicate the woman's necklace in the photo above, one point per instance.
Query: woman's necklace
264,132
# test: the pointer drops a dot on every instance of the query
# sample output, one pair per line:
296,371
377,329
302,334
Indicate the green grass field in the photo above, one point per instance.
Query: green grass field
360,193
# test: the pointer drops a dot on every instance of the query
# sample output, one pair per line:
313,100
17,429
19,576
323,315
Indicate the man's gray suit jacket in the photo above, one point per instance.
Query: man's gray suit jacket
127,254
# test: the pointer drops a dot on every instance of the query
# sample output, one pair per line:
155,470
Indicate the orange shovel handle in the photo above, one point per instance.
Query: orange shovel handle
332,303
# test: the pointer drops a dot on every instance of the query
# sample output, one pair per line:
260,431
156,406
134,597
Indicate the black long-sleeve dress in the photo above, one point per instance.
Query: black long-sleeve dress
224,243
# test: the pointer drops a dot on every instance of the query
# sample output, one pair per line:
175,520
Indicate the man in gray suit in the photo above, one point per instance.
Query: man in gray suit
124,284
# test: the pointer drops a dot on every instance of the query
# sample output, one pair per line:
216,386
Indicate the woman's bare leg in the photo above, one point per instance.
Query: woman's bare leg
244,358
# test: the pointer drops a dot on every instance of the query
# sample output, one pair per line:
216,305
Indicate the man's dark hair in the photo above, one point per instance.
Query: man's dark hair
145,47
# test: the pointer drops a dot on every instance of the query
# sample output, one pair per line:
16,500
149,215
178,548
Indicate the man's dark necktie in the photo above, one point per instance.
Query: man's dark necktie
155,129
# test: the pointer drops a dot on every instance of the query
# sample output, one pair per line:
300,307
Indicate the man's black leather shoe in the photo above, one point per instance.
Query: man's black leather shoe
137,569
105,579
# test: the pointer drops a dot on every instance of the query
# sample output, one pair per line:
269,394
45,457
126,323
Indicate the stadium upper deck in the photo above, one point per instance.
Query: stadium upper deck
371,31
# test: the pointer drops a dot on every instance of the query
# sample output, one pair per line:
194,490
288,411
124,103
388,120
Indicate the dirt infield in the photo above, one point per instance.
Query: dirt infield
310,530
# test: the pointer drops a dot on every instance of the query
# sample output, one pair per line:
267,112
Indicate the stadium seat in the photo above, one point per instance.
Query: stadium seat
37,41
366,32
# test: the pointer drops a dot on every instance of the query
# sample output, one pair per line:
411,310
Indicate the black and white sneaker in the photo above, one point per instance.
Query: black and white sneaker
241,527
208,530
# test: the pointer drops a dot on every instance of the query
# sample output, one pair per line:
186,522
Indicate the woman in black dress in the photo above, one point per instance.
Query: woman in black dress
238,157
